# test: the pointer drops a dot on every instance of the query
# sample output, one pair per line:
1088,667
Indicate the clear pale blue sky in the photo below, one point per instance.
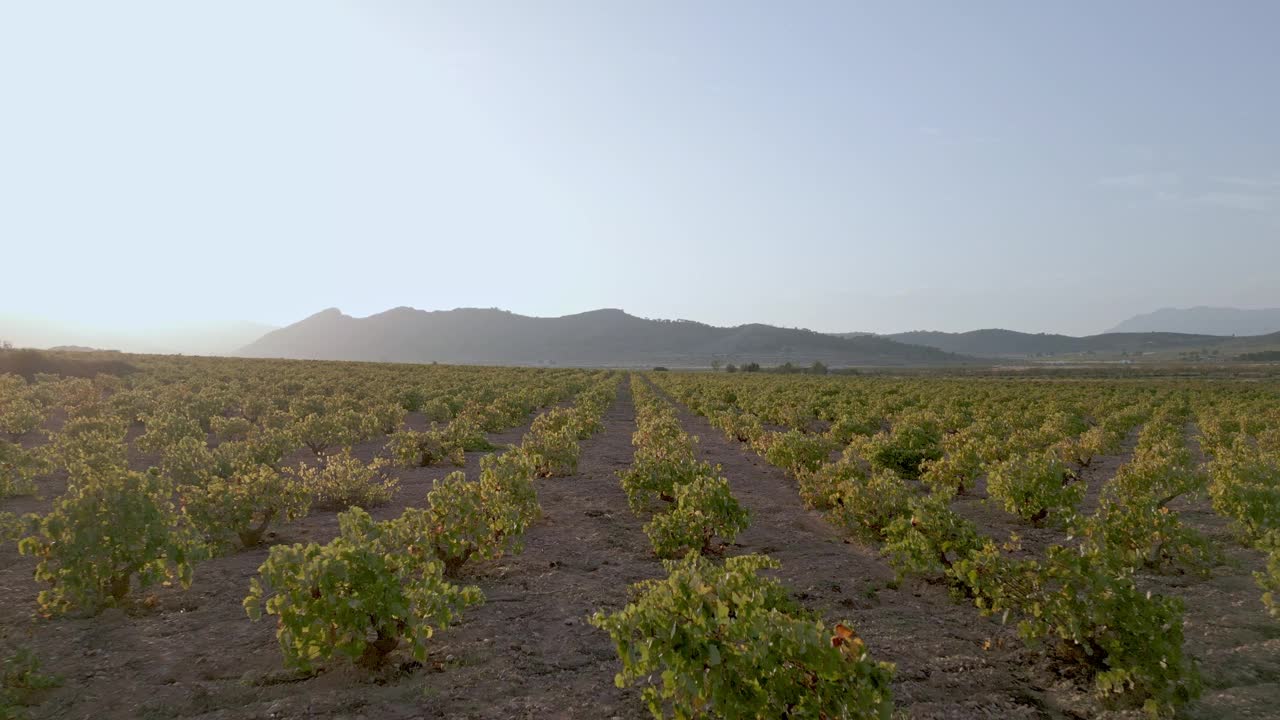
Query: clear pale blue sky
841,166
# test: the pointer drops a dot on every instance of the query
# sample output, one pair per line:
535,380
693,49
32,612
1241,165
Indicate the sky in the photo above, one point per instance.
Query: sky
840,166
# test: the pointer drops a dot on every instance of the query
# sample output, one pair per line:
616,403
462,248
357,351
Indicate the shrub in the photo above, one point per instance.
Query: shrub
1129,641
721,641
865,506
188,461
906,448
929,539
953,473
847,426
384,419
1142,534
743,427
507,479
652,481
359,597
1244,488
342,481
552,453
704,509
166,428
1034,486
458,522
19,469
241,507
12,527
325,430
467,430
90,445
20,413
412,448
231,428
109,528
820,489
795,450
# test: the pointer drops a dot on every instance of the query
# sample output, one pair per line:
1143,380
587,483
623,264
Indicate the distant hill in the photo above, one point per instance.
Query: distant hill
1204,321
1009,343
609,338
995,343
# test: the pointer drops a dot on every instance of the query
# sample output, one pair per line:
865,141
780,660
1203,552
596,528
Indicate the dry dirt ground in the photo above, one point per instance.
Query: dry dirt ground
528,652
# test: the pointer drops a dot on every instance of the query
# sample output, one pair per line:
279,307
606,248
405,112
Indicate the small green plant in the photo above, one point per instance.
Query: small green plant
704,510
1243,488
107,530
866,505
553,453
507,480
413,448
328,429
20,412
721,641
651,480
929,539
361,596
342,481
1035,486
241,507
820,489
1130,642
231,428
167,427
458,521
1143,534
21,681
12,527
906,448
90,444
19,469
794,450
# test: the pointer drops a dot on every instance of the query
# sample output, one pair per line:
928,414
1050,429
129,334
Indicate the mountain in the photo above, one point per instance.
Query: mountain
597,338
997,343
1204,321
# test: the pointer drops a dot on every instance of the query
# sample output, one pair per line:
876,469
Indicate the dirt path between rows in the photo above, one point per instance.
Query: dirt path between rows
526,653
943,670
1225,624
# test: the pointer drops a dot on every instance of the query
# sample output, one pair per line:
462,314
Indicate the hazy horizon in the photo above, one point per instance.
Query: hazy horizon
881,168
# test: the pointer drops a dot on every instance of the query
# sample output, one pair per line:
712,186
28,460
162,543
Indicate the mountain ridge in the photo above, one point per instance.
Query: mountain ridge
1205,320
601,337
998,343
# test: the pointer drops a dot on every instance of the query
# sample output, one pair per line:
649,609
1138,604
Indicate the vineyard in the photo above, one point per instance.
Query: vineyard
223,538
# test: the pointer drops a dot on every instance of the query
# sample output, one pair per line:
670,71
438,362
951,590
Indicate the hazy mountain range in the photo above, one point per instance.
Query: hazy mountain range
596,338
1167,333
614,338
997,343
1204,321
